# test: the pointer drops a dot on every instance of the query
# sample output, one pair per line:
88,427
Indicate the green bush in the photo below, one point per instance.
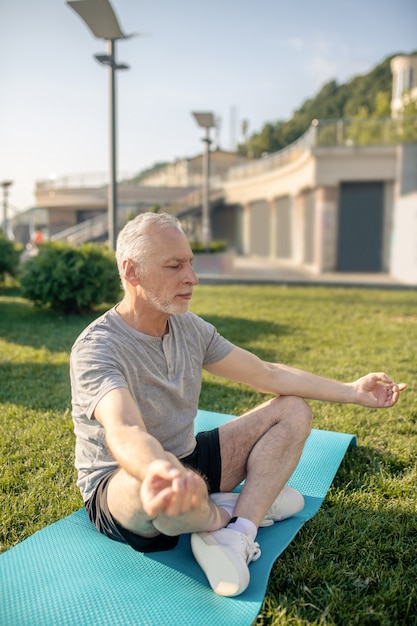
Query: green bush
71,279
214,246
9,257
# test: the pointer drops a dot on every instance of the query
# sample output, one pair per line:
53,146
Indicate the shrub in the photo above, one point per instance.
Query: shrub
9,257
71,279
214,246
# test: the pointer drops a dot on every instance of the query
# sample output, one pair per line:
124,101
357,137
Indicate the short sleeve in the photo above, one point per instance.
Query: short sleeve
94,372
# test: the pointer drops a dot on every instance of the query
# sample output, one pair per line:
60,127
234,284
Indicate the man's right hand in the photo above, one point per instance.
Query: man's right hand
171,489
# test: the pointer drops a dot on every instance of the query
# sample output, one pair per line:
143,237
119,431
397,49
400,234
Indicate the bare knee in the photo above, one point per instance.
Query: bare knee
295,412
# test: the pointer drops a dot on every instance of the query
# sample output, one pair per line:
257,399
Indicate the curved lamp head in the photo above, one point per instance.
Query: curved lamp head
99,17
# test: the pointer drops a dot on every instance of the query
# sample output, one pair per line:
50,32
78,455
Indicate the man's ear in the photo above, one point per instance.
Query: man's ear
129,271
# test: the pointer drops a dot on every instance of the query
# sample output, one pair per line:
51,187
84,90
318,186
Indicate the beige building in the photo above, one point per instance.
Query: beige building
333,208
342,198
188,172
404,82
75,209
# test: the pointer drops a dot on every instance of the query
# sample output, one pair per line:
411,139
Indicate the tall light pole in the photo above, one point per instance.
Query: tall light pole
102,21
207,121
5,184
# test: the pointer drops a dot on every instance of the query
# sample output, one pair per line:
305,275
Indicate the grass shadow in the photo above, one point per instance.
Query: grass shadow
41,386
348,554
244,332
23,324
358,550
365,464
230,398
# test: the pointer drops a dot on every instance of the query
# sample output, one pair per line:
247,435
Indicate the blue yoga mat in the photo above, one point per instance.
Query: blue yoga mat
69,575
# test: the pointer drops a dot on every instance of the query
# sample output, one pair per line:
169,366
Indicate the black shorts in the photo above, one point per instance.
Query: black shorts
205,459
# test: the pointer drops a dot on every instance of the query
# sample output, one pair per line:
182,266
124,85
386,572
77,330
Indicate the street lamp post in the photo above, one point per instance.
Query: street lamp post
206,120
109,59
5,184
102,21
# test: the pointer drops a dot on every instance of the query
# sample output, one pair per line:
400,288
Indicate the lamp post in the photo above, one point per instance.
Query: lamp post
101,19
206,120
5,184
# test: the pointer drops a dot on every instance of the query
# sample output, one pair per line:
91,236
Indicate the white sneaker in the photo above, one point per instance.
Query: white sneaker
289,502
224,556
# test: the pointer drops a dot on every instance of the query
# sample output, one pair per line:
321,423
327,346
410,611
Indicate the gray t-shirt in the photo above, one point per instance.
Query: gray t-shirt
163,376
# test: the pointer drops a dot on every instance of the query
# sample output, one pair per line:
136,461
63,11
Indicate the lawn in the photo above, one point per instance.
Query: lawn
355,562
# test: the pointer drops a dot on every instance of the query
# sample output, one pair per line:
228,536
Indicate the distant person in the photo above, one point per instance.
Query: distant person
136,378
37,237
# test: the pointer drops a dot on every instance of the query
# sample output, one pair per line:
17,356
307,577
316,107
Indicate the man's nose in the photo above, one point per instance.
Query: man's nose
191,276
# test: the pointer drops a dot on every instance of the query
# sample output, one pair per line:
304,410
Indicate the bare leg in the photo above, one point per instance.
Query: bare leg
263,447
124,500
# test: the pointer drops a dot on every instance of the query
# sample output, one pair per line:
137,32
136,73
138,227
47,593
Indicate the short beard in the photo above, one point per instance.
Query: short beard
169,308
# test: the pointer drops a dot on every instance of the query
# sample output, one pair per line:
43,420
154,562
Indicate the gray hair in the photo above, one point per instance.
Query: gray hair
134,241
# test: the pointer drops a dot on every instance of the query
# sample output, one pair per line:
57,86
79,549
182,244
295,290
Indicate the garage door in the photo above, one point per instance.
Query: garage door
361,222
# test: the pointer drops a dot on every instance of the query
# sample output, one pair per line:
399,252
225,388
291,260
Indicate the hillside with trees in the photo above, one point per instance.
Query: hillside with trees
366,96
136,180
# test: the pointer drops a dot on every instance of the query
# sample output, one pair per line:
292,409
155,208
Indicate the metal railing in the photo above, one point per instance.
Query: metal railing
277,159
366,132
90,230
89,179
341,132
337,132
345,133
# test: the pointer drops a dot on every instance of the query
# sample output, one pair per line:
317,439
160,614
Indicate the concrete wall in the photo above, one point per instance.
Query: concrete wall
310,186
337,164
271,184
404,240
404,232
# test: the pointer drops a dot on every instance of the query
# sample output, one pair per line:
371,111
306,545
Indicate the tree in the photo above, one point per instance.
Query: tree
148,171
9,257
363,96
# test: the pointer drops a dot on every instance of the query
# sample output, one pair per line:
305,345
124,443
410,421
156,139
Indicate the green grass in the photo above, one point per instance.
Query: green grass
355,562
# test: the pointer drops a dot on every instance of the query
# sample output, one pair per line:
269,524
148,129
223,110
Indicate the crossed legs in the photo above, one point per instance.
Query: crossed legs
262,446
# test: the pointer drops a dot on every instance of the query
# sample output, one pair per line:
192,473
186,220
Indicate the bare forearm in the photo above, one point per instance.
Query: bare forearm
134,449
375,390
290,381
126,435
283,380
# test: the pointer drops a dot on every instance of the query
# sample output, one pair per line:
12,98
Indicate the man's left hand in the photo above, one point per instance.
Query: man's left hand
377,391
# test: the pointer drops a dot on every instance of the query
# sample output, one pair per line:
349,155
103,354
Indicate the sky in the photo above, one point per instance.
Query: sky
241,59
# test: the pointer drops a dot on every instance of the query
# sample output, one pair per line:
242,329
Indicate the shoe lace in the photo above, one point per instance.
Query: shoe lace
252,549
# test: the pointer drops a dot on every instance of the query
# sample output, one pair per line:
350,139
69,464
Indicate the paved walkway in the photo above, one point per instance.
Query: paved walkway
249,270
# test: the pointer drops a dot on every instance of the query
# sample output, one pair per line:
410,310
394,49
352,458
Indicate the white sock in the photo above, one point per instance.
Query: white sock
243,525
227,508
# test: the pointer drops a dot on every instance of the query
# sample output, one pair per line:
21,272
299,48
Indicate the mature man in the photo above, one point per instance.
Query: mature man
136,379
